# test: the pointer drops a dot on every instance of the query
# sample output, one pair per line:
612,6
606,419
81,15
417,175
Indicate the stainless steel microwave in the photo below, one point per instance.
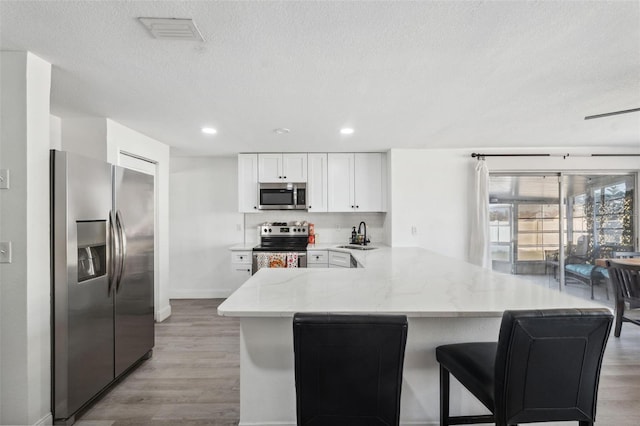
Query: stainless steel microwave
282,196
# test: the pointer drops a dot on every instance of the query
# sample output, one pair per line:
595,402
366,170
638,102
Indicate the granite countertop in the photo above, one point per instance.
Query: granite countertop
411,281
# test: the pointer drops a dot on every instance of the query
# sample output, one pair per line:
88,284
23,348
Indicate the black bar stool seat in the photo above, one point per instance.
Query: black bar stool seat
545,367
348,369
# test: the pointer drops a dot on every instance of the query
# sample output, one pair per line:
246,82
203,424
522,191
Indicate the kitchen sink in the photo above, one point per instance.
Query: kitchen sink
357,247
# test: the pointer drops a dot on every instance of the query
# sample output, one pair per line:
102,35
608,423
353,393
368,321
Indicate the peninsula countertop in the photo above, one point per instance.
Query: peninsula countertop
411,281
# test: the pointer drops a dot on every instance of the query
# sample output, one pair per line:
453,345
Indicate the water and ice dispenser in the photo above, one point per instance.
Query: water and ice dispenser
92,249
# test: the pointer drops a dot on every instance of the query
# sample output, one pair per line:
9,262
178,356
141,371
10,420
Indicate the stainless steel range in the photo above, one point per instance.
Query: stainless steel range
282,245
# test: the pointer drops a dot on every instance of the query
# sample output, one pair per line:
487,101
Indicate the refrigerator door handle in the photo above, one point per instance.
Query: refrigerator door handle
114,251
123,248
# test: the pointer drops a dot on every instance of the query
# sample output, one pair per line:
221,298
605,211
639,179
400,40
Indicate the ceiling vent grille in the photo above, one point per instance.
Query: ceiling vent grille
172,28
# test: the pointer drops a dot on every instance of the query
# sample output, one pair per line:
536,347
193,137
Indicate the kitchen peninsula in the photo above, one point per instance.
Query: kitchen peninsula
446,300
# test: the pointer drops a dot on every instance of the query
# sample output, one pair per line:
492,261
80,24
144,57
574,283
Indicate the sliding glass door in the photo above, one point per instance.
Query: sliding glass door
524,222
551,228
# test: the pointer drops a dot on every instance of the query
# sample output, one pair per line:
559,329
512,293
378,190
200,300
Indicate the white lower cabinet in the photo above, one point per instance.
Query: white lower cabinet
317,259
240,267
338,259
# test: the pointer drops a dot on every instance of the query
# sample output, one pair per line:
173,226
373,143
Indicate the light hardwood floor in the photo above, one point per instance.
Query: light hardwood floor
194,374
193,377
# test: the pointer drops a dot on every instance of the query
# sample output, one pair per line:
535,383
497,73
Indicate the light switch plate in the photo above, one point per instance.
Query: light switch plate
4,178
5,251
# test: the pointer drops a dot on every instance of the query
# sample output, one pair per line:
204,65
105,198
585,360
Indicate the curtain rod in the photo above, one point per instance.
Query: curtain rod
481,156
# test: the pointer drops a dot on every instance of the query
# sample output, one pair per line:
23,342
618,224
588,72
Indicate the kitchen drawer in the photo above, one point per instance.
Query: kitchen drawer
342,260
241,257
242,270
317,265
317,257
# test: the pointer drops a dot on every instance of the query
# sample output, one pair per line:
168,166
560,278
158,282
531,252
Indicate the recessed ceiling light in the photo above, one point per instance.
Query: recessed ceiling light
281,131
209,131
346,131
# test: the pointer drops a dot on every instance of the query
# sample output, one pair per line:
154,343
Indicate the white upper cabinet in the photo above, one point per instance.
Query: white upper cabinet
294,167
282,167
340,182
355,182
270,167
317,183
368,188
248,183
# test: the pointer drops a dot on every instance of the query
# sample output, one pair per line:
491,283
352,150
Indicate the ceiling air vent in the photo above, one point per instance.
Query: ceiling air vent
172,28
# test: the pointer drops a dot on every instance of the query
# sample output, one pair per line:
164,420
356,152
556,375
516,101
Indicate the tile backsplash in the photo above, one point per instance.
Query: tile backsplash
329,227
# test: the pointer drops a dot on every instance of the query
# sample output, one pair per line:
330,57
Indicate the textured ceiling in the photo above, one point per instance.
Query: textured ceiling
402,74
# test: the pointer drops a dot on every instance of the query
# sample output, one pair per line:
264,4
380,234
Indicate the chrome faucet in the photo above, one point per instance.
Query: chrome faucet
364,239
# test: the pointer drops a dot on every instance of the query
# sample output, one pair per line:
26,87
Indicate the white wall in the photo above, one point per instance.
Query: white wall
55,132
204,223
25,362
122,139
85,136
429,191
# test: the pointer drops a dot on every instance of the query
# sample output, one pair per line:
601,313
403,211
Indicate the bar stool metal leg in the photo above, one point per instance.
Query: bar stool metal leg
444,396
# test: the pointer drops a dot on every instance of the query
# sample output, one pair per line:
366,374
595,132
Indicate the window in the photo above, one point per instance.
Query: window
607,210
538,230
500,232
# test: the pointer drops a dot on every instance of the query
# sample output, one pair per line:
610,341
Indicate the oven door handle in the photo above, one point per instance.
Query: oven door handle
300,254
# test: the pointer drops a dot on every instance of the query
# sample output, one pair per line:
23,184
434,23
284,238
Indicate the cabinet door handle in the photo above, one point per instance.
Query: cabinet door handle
279,177
357,207
351,206
285,177
255,207
241,257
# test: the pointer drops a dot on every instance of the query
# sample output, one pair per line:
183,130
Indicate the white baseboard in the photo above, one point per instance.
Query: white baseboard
200,294
45,421
163,313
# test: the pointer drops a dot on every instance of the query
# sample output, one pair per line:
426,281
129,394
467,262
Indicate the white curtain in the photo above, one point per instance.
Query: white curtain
479,244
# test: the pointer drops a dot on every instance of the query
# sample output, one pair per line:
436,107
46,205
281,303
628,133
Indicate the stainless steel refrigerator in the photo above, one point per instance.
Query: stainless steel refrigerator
102,245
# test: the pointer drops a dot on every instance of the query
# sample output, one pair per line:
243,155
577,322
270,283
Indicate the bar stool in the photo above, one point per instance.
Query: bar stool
625,280
348,369
545,367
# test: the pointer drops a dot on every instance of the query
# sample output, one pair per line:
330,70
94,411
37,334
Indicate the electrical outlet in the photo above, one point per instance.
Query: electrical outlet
5,252
414,230
4,179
